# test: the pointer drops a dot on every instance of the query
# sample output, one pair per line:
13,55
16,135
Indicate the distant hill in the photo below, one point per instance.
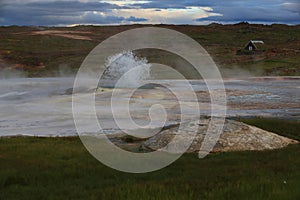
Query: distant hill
50,51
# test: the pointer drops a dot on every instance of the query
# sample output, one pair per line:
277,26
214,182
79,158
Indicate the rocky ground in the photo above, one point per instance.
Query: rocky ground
236,136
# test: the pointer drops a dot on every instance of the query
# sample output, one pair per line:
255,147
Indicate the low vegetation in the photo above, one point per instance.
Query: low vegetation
61,168
289,128
47,54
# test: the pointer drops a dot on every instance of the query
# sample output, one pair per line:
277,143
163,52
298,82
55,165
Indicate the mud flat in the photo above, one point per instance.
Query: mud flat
43,106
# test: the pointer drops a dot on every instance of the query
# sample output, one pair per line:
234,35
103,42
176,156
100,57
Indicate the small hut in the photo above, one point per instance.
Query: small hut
253,45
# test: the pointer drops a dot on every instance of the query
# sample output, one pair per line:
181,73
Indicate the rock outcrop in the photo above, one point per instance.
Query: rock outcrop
236,136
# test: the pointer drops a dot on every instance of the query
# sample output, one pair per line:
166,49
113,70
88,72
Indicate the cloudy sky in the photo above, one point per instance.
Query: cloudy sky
105,12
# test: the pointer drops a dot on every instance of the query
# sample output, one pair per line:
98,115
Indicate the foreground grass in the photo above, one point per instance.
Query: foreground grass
288,128
61,168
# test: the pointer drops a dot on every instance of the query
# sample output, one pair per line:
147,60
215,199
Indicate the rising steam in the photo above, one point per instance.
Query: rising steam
128,69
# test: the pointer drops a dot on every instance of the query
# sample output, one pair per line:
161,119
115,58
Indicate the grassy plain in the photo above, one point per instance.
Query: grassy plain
61,168
47,54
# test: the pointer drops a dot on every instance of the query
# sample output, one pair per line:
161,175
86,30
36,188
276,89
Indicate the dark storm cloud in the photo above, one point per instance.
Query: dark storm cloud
268,11
264,12
65,12
293,6
169,4
60,13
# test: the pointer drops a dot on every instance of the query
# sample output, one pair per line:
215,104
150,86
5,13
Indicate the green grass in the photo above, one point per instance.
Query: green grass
61,168
280,55
288,128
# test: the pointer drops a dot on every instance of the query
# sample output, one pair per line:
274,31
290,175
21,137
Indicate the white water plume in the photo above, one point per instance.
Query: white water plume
128,69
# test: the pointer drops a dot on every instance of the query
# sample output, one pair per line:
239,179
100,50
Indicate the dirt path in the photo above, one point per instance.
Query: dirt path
77,35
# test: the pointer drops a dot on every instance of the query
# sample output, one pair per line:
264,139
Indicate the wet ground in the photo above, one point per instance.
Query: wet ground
43,106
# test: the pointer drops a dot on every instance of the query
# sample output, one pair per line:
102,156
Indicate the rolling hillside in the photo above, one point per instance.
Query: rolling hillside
52,51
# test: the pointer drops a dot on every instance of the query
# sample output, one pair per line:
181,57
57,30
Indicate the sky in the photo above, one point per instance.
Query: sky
111,12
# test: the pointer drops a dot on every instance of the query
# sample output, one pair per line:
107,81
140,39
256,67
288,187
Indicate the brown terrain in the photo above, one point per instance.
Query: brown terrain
43,51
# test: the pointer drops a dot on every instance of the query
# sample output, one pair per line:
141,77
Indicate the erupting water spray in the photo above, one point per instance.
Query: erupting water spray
120,67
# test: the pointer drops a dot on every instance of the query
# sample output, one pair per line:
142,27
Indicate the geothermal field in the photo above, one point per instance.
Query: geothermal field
234,137
43,106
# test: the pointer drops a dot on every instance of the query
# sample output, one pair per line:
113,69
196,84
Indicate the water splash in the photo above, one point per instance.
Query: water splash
128,69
